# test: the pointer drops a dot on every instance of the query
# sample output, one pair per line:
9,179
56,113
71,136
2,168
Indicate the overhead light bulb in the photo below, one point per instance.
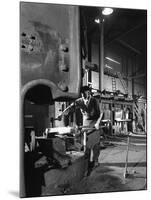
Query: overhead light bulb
107,11
97,21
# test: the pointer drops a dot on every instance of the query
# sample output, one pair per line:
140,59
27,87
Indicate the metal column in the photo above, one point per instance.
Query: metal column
101,55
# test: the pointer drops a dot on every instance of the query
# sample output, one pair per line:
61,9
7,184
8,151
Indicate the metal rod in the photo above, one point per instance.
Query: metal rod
126,163
129,46
101,57
84,141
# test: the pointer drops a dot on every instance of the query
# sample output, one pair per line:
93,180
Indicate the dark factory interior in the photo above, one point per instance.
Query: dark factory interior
64,49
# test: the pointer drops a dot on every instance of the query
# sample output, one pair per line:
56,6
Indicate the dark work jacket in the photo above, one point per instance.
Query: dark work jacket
91,111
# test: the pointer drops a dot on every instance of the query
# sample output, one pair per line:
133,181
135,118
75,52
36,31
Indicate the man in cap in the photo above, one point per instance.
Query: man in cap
92,115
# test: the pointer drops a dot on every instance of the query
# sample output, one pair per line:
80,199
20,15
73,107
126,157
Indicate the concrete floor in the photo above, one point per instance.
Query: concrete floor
109,175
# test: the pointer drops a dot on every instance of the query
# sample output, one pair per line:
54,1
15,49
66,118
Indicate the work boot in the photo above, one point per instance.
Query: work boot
102,145
96,164
90,167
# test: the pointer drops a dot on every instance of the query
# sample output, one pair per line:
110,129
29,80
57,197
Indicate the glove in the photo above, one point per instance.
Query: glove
97,126
59,117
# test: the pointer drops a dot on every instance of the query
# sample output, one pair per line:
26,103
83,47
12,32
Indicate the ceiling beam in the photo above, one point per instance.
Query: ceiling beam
137,76
119,36
125,44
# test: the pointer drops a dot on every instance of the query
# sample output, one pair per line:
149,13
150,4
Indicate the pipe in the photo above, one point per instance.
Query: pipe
101,55
137,76
126,161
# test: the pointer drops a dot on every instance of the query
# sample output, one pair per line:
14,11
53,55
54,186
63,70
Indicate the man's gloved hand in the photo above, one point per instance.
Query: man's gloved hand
59,117
97,126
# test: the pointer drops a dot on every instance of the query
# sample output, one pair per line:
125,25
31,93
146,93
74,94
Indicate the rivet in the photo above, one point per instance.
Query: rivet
63,67
23,34
63,86
64,47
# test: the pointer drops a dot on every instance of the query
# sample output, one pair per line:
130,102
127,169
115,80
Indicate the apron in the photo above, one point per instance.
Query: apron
93,137
90,111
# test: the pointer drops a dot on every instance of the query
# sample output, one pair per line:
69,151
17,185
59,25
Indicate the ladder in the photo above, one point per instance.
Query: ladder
122,82
113,84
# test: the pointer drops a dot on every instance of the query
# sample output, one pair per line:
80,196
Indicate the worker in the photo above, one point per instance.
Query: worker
92,115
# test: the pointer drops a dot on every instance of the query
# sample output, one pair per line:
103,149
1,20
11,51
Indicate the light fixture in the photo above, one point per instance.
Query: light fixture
107,11
107,66
111,59
97,20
